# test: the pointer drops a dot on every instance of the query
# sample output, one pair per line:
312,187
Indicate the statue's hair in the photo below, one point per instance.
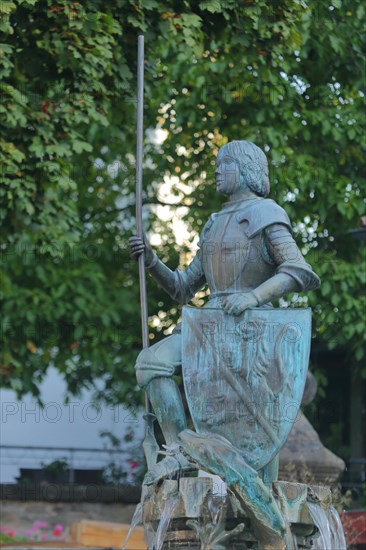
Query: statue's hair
252,162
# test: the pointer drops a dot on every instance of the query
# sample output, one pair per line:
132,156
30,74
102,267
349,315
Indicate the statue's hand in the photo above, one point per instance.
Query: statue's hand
237,303
138,246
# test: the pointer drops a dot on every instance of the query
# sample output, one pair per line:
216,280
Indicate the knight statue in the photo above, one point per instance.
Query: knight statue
248,257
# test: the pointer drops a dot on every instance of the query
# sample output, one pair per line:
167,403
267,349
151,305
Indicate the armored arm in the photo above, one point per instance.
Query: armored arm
181,285
293,274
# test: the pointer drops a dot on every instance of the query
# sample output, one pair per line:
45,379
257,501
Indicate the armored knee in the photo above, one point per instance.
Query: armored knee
148,367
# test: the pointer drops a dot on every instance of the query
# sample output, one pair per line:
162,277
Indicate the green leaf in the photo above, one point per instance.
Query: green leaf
80,146
326,288
212,6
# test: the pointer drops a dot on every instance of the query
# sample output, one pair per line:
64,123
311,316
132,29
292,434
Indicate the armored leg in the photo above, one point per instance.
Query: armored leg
166,401
155,367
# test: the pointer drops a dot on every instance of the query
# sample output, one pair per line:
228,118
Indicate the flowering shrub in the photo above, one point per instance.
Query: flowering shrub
130,465
40,531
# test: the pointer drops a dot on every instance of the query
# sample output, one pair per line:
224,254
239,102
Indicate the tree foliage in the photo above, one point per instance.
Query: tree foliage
287,75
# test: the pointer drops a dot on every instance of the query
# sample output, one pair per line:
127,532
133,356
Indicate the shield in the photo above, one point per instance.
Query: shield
244,376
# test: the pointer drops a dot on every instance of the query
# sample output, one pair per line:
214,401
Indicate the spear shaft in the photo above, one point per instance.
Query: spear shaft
150,445
139,156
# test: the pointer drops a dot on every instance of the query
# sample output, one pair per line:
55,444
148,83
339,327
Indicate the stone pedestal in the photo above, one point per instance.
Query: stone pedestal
187,514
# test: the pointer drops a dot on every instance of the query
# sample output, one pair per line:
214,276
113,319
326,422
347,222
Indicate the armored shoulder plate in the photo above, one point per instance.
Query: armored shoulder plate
261,214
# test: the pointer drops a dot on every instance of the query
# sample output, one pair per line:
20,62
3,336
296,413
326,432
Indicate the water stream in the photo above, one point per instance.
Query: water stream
290,538
328,522
136,520
170,505
338,530
215,506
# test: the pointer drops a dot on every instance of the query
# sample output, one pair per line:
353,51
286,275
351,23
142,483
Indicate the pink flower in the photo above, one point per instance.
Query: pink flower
11,532
57,530
44,536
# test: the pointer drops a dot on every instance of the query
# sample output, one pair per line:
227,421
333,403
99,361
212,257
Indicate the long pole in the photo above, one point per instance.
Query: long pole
139,156
150,445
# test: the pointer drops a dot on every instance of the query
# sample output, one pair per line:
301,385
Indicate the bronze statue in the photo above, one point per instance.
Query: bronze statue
247,256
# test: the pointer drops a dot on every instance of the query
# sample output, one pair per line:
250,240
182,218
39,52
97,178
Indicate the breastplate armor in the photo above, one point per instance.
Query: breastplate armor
233,252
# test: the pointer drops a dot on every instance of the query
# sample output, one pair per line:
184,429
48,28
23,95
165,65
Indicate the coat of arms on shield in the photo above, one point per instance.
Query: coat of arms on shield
244,375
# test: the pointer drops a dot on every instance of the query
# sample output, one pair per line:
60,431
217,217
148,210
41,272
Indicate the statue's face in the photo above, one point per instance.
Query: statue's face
227,175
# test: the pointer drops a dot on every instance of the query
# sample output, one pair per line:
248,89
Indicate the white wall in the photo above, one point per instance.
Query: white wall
76,424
